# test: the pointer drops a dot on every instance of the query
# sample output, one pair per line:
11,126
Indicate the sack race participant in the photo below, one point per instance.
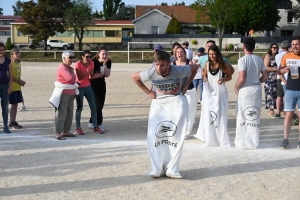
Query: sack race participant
191,94
168,113
248,89
213,123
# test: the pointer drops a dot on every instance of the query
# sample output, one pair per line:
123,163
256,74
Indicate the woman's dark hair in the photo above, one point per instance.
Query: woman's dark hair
175,44
100,49
270,49
84,52
183,52
220,60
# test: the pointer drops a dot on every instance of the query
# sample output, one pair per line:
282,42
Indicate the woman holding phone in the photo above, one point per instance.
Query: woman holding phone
102,65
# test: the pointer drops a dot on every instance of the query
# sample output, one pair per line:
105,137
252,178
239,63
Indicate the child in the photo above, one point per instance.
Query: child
16,95
23,107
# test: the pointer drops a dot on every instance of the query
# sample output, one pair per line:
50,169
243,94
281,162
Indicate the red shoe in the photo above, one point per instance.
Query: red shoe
79,131
98,130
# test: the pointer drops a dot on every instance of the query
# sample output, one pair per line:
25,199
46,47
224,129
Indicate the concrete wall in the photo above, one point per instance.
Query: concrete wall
143,26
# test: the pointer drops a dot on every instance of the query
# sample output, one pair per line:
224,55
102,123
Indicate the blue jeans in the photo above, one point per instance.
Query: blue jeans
291,98
89,95
4,103
199,82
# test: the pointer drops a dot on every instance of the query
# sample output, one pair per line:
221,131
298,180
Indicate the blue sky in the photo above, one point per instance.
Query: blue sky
7,4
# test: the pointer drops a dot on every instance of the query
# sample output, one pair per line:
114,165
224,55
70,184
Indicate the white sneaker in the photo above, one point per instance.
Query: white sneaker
101,127
176,176
22,108
90,125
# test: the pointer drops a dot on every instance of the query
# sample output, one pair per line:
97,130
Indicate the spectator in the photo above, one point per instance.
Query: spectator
271,82
102,65
281,79
291,97
16,95
6,81
63,97
198,81
189,52
84,72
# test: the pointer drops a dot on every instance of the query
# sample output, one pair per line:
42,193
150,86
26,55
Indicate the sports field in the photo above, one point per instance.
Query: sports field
114,165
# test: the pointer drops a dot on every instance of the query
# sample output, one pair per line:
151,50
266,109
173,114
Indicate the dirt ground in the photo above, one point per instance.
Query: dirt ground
114,165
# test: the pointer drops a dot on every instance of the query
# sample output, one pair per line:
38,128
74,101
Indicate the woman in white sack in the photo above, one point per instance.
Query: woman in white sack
213,123
191,94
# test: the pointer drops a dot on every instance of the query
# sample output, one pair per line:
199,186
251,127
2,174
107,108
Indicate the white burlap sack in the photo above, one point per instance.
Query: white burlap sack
166,131
248,108
191,96
213,122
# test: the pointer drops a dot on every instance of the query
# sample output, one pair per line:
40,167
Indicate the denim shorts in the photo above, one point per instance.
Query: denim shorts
291,98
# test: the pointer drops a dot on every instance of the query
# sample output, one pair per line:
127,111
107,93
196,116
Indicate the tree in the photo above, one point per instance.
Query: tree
78,17
174,27
111,7
125,13
238,15
295,11
264,16
220,13
17,8
43,19
1,11
97,14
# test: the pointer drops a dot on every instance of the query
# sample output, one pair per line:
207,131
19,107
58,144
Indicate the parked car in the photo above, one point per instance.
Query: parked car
33,44
58,44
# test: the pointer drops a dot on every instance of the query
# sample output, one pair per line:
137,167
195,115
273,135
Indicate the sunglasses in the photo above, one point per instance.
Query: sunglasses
275,47
71,57
88,56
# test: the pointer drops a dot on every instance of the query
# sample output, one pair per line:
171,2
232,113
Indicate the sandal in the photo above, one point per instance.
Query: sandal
271,112
60,137
69,135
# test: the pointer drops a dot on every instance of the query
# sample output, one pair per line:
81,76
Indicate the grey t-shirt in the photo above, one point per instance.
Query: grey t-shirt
169,85
253,65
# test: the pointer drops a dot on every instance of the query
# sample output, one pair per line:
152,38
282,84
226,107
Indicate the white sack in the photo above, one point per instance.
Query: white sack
213,121
191,96
166,131
248,108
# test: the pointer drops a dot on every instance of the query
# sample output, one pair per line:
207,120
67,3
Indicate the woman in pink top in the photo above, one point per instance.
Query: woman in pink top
84,72
64,114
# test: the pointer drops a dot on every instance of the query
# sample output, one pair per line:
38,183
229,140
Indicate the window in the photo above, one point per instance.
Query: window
154,30
6,22
98,33
112,33
20,34
88,33
64,34
7,33
287,33
290,18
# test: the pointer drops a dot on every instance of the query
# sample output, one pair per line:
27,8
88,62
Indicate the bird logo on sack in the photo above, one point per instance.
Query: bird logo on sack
213,116
251,113
165,129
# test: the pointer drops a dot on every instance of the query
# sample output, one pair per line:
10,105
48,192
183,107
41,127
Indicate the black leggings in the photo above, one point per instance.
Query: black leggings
99,94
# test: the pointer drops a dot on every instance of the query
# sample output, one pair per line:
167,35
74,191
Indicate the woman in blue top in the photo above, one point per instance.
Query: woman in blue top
5,85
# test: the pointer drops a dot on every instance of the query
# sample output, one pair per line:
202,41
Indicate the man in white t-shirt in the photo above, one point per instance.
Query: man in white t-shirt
252,73
198,78
189,52
281,79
